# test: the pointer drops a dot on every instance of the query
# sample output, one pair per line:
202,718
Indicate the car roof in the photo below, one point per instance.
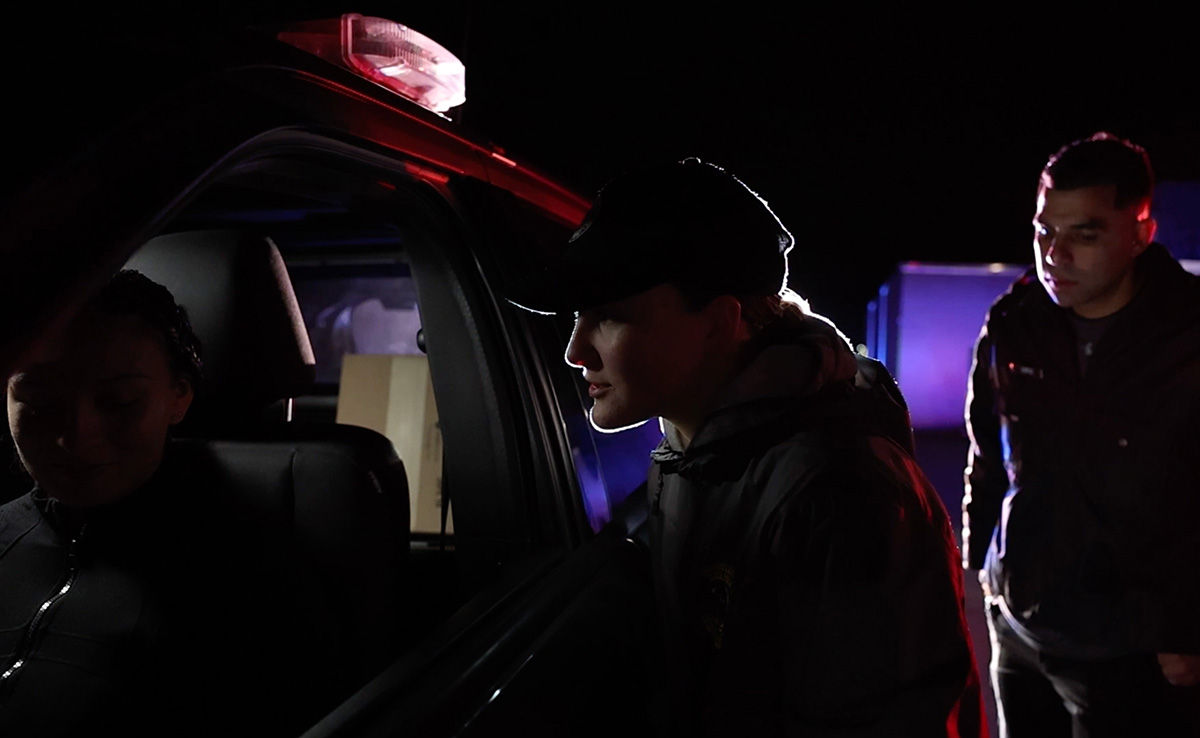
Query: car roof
115,68
117,109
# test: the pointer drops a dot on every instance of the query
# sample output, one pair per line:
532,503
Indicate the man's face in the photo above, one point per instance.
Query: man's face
90,412
641,356
1085,247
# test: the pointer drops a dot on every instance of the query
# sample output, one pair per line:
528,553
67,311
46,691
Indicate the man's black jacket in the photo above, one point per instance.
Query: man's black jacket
1082,492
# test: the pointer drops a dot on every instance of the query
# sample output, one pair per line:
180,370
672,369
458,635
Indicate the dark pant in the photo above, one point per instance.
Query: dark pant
1042,695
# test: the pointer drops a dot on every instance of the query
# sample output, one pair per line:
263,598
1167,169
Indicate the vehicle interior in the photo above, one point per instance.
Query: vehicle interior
417,443
353,387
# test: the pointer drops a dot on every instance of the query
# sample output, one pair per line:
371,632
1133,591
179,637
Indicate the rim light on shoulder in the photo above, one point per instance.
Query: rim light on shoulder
388,53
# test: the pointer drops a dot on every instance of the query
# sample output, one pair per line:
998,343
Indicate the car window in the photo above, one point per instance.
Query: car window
377,262
369,310
608,467
397,262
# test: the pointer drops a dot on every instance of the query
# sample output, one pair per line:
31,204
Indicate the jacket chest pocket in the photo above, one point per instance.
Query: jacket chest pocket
1023,394
715,592
1022,386
1037,405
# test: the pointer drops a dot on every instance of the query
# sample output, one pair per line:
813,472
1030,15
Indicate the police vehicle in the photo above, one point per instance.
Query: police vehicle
342,246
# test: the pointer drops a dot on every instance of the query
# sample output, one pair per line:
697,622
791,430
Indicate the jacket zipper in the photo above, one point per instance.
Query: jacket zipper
27,640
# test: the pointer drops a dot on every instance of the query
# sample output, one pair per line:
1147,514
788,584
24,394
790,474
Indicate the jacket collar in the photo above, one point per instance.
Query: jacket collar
785,374
146,503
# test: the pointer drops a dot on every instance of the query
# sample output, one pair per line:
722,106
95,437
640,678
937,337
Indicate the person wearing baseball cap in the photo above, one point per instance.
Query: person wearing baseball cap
805,569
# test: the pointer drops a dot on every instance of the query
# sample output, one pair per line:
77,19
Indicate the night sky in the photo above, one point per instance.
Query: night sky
877,136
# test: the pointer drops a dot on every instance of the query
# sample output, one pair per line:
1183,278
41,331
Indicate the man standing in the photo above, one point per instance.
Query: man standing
805,569
1082,492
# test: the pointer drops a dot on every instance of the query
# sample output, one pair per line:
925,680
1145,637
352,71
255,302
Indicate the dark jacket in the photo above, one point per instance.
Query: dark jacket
1082,492
806,569
170,612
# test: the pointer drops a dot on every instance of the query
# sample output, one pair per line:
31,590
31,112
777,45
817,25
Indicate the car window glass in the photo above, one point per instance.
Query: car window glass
608,466
356,314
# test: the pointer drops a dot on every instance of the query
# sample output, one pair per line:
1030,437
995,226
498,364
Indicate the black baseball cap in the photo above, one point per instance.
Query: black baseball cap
686,222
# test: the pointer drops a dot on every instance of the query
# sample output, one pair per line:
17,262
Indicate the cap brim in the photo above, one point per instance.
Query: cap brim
563,296
539,292
564,288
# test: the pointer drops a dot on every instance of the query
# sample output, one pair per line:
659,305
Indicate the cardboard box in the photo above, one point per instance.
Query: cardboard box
393,394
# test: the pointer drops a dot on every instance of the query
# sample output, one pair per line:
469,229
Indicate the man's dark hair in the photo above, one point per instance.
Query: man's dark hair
130,292
1102,159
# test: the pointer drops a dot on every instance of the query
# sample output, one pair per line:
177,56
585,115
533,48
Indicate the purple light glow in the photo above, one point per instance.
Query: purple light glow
609,465
923,327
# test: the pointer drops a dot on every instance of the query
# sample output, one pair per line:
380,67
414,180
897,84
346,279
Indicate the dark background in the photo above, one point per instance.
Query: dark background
877,136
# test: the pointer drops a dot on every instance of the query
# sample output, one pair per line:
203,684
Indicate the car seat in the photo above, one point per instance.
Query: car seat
339,491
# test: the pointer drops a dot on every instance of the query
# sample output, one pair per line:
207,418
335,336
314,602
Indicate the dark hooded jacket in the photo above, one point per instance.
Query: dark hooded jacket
1082,495
806,570
170,612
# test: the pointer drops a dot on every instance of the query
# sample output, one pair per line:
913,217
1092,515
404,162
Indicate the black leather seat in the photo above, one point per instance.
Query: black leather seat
330,530
239,298
338,493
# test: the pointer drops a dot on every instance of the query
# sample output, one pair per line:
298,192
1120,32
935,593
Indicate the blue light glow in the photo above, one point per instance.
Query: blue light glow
937,311
609,465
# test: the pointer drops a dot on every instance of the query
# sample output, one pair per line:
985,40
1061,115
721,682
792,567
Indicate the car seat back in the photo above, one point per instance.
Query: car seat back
338,492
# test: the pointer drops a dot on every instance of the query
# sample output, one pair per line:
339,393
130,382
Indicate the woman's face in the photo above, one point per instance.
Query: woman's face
90,411
642,356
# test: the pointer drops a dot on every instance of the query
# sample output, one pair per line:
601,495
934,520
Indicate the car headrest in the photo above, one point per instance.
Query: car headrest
239,297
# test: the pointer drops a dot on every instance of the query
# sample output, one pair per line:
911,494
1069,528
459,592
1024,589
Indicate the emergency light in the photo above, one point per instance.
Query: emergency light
387,53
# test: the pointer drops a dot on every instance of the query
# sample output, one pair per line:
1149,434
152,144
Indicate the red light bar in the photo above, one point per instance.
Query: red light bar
388,53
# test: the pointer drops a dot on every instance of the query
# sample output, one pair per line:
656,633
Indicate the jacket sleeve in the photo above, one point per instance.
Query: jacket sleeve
874,639
985,478
1174,596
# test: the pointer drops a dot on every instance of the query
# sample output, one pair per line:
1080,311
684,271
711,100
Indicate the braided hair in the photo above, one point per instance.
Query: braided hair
130,292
